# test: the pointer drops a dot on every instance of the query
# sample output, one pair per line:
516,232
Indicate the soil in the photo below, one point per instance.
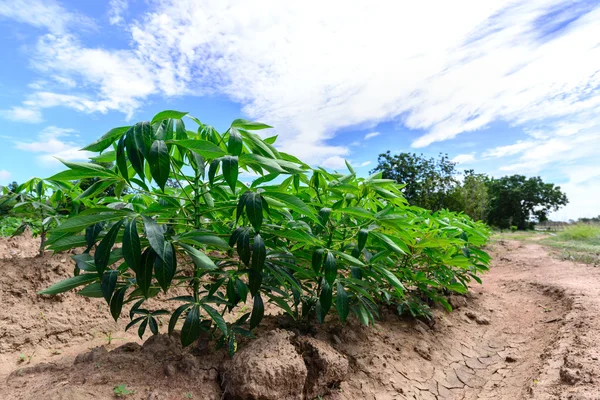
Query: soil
530,331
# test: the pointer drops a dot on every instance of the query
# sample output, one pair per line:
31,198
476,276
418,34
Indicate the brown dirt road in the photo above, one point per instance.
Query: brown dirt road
530,331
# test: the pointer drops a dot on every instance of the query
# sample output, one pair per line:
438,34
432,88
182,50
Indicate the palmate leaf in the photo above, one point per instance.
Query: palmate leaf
254,209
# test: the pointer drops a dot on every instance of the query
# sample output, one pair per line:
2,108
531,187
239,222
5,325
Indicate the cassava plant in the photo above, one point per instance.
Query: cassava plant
229,219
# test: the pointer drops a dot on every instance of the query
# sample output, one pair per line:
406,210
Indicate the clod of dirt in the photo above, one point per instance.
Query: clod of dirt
422,349
130,347
457,302
162,346
91,356
327,368
481,320
270,368
569,376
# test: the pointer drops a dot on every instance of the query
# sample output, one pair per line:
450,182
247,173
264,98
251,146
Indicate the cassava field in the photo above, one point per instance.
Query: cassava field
185,263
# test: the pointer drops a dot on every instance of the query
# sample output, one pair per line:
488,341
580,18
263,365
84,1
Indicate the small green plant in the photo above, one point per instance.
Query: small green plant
25,358
109,338
514,228
188,395
122,391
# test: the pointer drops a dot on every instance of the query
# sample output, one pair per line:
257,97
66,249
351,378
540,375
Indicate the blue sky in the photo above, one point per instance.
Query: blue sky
502,86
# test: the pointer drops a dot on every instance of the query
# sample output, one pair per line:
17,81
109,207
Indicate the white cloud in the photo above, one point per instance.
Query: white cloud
363,164
50,147
116,9
335,162
5,175
371,135
46,14
469,64
464,158
22,114
509,150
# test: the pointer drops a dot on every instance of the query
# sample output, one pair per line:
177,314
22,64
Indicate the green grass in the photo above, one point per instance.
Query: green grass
580,243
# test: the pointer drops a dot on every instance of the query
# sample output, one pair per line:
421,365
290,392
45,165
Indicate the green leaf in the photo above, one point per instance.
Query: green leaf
180,131
191,327
80,222
255,279
351,260
93,290
325,298
167,114
116,303
342,303
78,171
254,210
132,248
164,269
109,283
390,244
330,268
212,170
102,254
143,276
160,163
349,167
106,140
391,278
206,149
69,284
200,259
216,317
143,136
230,170
175,316
292,202
249,125
258,311
203,238
155,235
317,260
134,154
243,246
259,253
256,160
121,160
362,238
235,143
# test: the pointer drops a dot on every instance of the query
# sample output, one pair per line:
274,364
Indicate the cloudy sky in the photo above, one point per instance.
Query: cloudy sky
503,87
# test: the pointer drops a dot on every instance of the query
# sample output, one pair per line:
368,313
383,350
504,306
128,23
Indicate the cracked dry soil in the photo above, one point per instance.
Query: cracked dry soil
530,331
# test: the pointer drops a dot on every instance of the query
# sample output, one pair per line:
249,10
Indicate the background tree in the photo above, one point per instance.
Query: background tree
428,181
517,201
472,197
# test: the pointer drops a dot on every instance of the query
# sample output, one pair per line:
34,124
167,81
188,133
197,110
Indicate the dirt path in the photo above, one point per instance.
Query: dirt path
530,331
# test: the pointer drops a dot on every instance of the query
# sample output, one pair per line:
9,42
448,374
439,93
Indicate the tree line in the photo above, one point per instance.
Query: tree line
514,201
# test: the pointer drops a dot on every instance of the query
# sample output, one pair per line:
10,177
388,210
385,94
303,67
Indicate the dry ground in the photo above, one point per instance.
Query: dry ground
530,331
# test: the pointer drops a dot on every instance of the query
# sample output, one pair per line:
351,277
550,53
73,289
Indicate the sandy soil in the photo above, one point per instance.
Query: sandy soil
530,331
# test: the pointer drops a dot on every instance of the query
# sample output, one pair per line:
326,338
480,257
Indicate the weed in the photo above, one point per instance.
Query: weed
122,391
